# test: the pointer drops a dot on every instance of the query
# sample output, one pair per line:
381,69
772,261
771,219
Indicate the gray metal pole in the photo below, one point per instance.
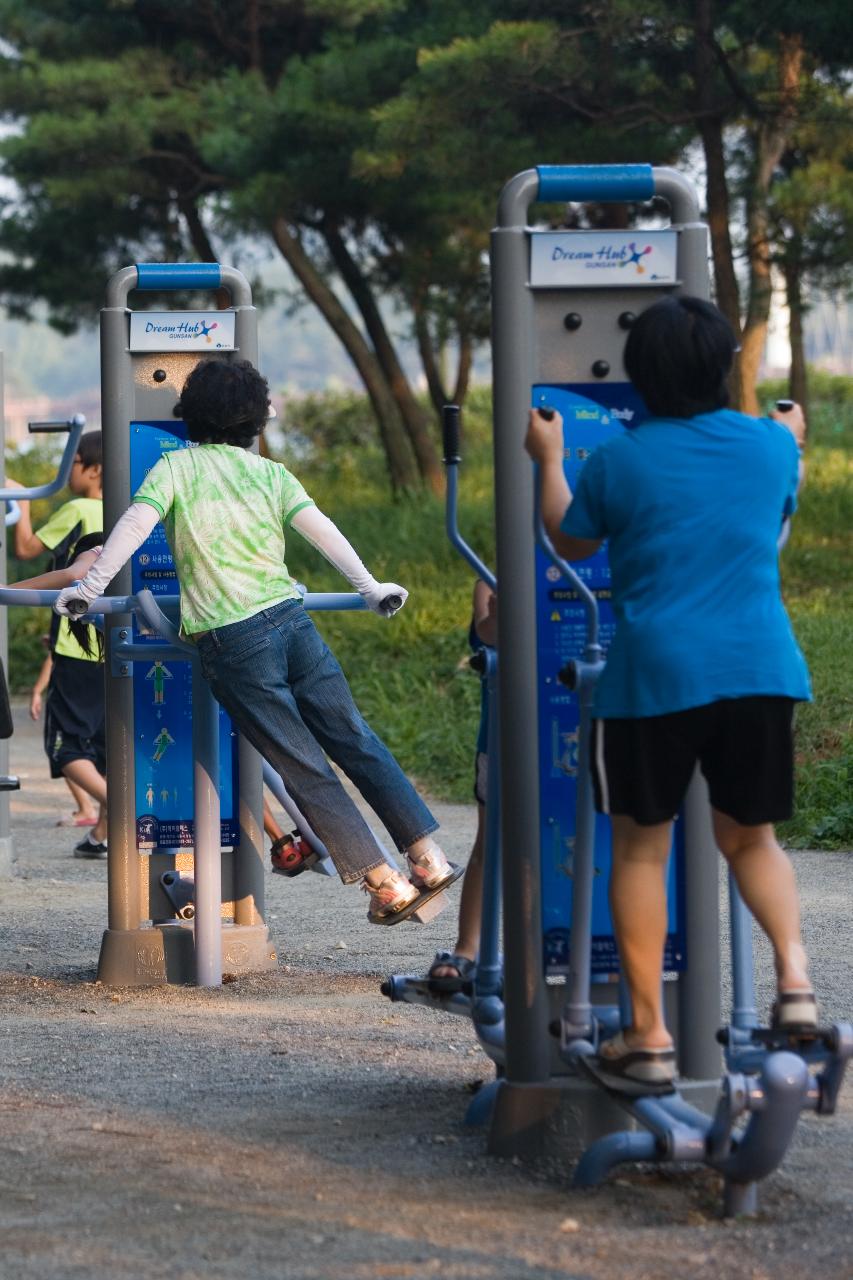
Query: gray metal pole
117,392
527,1043
207,834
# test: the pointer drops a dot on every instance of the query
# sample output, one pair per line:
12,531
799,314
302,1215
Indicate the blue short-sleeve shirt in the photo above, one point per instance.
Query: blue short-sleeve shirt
692,509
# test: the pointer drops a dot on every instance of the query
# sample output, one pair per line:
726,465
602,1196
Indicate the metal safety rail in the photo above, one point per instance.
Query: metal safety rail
206,915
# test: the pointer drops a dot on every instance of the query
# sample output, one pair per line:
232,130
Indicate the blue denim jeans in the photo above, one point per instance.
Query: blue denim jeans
283,688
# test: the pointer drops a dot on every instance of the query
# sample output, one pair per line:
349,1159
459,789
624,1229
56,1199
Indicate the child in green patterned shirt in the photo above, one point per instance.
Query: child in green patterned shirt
227,512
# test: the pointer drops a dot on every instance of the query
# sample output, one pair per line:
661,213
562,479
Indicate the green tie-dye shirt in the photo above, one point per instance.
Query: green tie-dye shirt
225,511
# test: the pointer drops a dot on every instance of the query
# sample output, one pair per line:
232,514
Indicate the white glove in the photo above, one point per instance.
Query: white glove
73,602
384,598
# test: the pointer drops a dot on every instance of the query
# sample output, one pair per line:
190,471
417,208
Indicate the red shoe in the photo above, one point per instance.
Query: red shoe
290,855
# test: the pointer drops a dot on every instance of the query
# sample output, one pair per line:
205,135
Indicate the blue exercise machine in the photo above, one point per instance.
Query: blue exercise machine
562,303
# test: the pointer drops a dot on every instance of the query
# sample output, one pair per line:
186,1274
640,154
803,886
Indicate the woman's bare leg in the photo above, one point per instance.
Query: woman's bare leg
638,905
765,878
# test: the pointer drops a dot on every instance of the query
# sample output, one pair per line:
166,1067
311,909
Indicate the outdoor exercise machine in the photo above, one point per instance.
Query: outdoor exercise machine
185,863
562,305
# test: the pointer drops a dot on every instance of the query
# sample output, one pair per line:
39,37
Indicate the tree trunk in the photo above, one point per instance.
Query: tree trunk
401,467
463,369
717,189
202,244
770,140
414,418
798,377
437,393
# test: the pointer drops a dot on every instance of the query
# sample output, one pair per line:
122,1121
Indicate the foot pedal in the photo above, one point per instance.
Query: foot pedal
291,855
430,909
9,783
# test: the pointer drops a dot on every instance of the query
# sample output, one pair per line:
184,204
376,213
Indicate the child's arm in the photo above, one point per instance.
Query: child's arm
327,538
128,536
27,544
42,681
56,579
485,610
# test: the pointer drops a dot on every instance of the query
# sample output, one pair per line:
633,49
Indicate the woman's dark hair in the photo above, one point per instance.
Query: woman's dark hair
90,452
83,631
678,356
224,402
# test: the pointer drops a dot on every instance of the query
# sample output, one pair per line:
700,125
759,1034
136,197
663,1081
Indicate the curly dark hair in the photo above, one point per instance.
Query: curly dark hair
224,402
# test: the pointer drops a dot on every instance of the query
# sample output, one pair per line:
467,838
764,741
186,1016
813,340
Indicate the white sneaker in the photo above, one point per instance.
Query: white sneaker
390,897
430,870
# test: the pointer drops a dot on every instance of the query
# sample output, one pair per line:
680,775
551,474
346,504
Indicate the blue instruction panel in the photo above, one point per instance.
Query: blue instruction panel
162,691
591,414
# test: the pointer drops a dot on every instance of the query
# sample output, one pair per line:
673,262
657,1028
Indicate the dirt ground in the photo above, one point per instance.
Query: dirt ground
296,1124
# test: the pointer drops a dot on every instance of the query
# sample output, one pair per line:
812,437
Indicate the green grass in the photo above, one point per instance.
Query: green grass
410,676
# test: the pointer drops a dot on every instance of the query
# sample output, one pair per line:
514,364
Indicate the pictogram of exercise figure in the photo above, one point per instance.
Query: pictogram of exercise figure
163,740
159,673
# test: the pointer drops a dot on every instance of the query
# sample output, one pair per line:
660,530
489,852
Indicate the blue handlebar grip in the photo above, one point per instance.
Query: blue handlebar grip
601,182
178,275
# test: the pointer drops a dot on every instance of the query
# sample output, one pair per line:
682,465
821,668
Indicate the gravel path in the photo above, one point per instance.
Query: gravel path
297,1125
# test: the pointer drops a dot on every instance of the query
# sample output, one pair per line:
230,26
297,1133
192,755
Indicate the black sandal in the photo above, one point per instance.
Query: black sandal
465,972
636,1072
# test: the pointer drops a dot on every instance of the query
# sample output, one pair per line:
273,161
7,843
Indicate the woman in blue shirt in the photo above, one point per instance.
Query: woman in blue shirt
704,668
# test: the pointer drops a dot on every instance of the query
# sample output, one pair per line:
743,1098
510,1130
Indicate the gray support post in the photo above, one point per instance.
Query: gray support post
699,1002
6,841
527,1047
117,401
207,858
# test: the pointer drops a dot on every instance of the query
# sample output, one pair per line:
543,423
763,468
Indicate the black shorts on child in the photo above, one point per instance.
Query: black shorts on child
641,768
74,715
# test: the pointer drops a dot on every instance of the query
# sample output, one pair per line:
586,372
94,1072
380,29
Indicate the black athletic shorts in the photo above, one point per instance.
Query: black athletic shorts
74,714
744,746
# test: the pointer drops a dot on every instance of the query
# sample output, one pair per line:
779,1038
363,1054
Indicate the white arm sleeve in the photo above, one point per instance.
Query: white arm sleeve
326,537
128,535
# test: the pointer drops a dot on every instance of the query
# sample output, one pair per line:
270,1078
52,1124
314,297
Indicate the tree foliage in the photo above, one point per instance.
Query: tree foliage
368,140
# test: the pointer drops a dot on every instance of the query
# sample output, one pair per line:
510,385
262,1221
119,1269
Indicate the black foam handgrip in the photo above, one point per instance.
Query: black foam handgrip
784,406
6,726
391,604
43,428
450,432
545,411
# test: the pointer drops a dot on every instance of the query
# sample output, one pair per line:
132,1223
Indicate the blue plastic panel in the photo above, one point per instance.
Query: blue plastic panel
162,691
178,275
595,182
591,415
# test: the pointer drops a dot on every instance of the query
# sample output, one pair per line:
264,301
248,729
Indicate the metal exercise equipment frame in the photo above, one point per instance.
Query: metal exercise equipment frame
558,329
142,374
557,336
197,904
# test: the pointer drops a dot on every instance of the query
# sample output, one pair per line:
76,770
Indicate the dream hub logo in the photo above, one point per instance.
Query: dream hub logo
186,329
635,257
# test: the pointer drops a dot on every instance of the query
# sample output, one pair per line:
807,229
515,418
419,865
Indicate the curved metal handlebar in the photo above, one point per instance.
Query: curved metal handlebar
598,182
13,513
155,276
588,599
146,605
452,458
74,426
